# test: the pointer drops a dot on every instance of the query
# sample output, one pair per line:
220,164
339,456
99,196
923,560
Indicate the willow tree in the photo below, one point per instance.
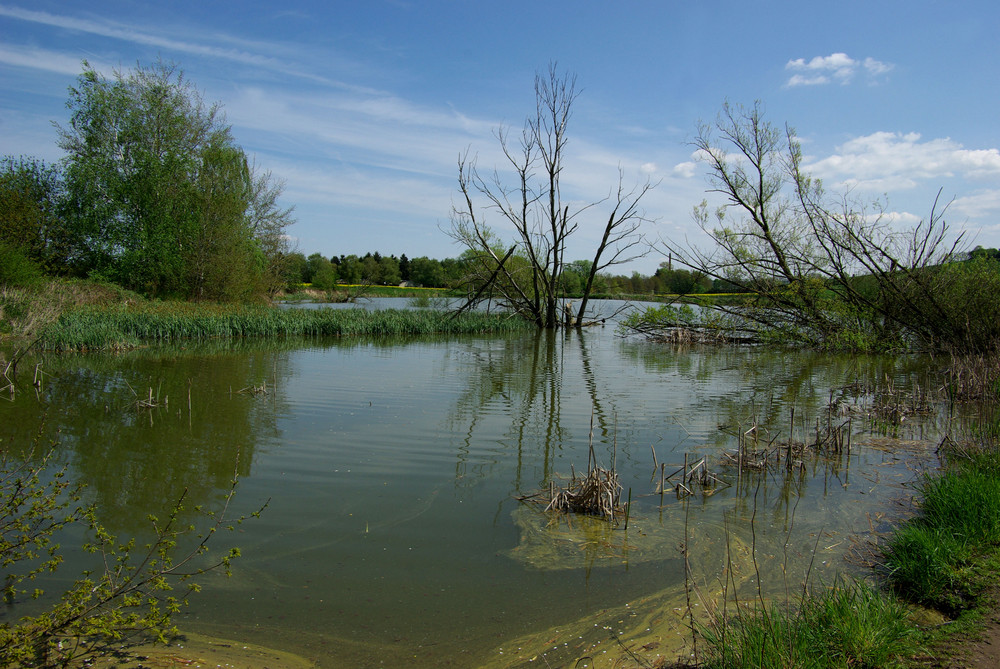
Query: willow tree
829,270
158,195
525,274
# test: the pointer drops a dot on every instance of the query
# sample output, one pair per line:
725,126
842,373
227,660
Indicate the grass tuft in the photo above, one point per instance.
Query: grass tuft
850,625
943,557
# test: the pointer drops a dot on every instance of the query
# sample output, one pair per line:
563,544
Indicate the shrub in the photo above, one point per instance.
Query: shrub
16,269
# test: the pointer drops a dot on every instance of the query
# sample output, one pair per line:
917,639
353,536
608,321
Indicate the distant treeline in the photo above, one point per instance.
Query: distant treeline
374,268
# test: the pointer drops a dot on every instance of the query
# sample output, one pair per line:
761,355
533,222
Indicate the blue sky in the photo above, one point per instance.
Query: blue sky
364,107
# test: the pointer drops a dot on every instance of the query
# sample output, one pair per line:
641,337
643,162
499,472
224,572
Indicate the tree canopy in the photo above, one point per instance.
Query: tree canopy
159,197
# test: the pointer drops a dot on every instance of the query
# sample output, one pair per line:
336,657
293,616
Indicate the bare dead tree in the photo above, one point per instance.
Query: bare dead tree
528,281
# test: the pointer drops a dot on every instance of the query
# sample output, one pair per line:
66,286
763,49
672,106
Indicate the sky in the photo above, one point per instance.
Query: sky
363,108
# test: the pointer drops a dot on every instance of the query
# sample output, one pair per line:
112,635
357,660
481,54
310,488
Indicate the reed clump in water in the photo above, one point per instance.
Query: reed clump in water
598,493
693,476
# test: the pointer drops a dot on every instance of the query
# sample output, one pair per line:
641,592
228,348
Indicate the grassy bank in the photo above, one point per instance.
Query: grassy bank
75,315
345,292
946,559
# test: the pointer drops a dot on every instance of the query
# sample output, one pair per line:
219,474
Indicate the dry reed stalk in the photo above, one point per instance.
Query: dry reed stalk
254,390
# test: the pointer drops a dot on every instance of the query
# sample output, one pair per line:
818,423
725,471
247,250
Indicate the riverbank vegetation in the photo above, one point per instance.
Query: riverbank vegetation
829,271
157,227
131,594
68,315
127,326
932,579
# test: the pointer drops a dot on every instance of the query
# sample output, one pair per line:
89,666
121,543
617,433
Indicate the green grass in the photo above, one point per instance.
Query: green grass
946,558
129,325
849,625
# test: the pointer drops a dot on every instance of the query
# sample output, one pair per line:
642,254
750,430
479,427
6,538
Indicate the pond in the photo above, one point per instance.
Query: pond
393,533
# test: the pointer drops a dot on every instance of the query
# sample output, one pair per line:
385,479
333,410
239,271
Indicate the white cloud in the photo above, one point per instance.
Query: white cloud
836,67
877,67
685,170
802,80
265,56
887,161
984,204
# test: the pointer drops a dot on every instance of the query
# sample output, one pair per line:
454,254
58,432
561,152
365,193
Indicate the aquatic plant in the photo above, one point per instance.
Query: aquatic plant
133,596
125,326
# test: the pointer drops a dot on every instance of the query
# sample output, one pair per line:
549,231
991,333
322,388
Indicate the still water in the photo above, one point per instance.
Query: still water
391,467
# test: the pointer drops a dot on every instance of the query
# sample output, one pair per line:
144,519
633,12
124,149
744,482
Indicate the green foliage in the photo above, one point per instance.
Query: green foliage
16,269
295,270
320,272
426,272
158,196
951,306
349,269
682,281
30,195
135,593
943,557
849,625
831,272
325,278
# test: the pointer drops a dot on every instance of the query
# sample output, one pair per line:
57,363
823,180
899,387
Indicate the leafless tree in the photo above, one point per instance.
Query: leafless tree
527,276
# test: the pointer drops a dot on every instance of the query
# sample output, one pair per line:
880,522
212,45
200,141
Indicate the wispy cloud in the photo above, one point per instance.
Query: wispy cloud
39,59
837,67
885,161
267,56
131,34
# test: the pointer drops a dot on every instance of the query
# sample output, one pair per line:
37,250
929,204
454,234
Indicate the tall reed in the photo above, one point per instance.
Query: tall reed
127,325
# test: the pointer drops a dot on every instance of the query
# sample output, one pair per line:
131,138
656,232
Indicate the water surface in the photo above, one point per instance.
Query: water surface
393,533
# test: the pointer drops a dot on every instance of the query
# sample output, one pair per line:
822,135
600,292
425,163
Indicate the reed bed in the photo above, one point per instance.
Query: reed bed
973,378
130,325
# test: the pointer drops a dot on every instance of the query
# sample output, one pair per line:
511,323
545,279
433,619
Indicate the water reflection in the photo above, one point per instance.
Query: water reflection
136,460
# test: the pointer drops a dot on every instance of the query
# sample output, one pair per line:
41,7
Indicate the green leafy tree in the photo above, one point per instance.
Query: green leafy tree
314,263
404,268
294,271
159,197
30,196
389,270
350,269
427,272
829,271
454,270
325,275
371,269
16,269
